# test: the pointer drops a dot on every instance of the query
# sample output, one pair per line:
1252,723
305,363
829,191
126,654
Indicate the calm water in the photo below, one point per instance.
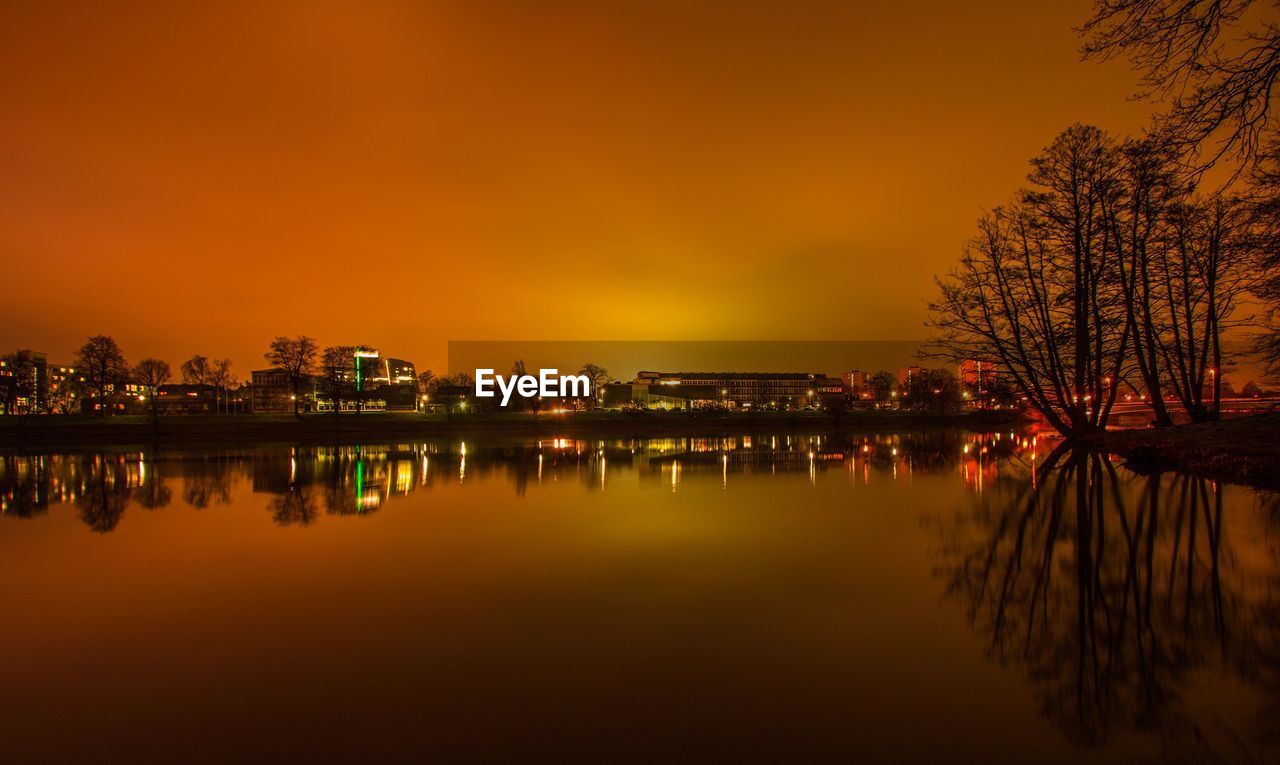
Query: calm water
885,598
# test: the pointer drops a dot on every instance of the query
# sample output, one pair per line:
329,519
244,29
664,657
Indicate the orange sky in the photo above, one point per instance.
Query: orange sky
198,177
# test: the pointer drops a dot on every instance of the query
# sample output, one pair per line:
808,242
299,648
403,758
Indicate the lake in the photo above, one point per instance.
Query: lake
880,597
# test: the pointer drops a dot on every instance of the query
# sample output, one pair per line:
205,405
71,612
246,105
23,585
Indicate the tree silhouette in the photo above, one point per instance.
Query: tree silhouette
151,374
338,370
1212,61
599,377
104,494
296,507
103,367
1109,593
296,357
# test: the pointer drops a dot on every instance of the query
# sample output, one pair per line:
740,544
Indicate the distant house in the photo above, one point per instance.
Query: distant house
187,399
271,391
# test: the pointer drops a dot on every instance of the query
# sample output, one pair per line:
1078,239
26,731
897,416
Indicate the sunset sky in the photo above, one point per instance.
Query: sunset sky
198,177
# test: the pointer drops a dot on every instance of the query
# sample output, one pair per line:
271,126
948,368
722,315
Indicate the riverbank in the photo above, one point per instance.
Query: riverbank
57,431
1244,450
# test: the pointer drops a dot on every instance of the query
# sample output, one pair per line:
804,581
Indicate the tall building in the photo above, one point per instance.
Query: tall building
977,375
907,376
24,382
398,371
855,383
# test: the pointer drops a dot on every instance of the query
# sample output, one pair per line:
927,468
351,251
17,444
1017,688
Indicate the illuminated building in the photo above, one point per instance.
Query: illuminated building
372,383
735,389
907,376
977,375
271,390
30,384
855,383
24,382
187,399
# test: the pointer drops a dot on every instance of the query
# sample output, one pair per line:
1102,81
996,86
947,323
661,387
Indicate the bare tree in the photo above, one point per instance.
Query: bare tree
195,370
1203,268
103,367
933,388
151,374
1185,262
221,378
599,377
65,393
883,384
1037,288
1212,62
1266,209
424,384
296,357
338,369
1136,220
1216,64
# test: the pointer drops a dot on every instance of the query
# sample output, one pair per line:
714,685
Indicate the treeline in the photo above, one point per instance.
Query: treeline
101,370
1114,268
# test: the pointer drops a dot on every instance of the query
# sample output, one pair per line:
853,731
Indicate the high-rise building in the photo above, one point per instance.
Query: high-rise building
976,375
855,383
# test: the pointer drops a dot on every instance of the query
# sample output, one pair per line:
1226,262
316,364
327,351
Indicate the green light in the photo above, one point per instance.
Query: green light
359,486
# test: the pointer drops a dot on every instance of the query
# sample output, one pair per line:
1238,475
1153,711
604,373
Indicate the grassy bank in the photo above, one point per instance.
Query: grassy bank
1244,450
56,431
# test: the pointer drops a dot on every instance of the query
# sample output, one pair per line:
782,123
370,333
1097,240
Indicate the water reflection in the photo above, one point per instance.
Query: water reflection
1113,594
360,479
1129,606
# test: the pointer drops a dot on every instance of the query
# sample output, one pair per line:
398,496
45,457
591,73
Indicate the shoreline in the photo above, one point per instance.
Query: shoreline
1244,450
56,431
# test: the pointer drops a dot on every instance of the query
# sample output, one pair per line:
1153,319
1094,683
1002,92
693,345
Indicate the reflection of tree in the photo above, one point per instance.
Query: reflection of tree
207,484
1110,593
339,500
347,484
296,507
104,495
153,494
